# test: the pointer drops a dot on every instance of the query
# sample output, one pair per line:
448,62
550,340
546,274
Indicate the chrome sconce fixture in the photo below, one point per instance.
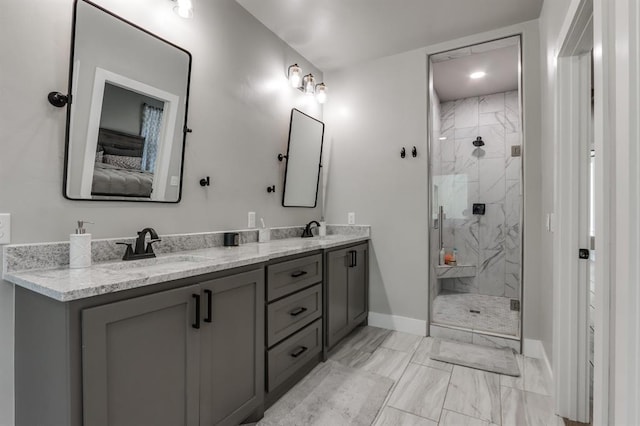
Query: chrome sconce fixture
306,84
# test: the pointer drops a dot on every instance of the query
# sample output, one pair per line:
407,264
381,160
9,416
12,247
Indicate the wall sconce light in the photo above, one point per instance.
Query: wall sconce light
309,84
321,93
306,84
184,9
295,76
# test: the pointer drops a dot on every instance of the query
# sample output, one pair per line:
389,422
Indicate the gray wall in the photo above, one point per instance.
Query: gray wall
375,109
380,106
122,109
239,111
551,19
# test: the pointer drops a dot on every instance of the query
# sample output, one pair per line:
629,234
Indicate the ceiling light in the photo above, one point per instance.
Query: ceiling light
442,138
478,74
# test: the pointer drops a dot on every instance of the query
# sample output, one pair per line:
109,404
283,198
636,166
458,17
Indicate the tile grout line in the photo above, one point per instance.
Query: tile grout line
395,384
445,394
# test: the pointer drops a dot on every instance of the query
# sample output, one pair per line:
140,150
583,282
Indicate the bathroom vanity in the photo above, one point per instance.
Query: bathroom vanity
201,337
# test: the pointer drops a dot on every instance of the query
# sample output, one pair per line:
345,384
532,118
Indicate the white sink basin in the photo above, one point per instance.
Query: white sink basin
164,261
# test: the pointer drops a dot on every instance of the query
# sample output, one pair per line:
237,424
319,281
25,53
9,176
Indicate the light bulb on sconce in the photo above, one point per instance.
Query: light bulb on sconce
184,9
295,76
309,84
321,93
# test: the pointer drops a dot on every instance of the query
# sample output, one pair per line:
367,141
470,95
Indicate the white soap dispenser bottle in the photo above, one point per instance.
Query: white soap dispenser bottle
80,247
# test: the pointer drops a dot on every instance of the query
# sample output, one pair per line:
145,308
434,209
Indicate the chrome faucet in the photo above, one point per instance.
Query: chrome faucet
141,252
307,229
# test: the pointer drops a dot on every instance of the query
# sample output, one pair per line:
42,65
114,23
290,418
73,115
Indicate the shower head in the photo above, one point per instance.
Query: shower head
478,142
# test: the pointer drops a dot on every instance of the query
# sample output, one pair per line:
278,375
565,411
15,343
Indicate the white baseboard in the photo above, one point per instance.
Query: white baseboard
398,323
535,349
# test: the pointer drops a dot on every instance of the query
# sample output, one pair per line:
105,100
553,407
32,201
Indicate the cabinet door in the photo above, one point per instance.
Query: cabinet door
140,361
357,281
337,296
232,361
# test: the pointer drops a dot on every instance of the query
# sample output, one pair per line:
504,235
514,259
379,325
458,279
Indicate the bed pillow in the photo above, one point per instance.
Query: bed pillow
124,162
99,157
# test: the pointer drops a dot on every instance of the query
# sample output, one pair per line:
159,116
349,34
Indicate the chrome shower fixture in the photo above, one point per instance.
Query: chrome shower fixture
478,142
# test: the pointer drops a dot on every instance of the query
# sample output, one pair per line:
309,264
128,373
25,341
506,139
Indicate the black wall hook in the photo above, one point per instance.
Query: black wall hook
403,153
414,152
271,188
57,99
282,157
205,181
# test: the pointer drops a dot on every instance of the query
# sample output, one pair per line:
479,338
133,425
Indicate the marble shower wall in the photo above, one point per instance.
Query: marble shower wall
490,175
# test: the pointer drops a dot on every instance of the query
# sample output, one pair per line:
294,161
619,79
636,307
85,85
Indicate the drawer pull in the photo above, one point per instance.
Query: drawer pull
298,274
297,311
299,351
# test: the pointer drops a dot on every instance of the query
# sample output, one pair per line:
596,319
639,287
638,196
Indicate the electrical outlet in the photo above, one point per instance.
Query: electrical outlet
175,181
351,218
5,228
251,222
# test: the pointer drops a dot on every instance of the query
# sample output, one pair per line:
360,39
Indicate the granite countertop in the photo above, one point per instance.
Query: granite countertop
64,284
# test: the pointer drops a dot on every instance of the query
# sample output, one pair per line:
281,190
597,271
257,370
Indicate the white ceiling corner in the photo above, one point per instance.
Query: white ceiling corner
337,33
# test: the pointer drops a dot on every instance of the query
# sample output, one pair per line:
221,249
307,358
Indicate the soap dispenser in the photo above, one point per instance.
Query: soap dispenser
80,247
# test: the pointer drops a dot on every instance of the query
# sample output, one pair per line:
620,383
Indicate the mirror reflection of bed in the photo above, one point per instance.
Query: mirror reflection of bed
128,144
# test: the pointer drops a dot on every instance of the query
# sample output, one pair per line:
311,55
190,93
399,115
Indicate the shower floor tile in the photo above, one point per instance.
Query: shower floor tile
492,314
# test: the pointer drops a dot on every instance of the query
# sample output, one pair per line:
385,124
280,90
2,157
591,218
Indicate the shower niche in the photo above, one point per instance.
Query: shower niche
476,193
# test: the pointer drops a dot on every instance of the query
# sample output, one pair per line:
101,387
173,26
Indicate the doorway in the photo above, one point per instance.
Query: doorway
574,283
476,193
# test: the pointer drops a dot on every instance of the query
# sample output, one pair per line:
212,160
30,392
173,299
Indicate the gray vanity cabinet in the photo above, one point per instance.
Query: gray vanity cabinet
140,361
186,352
347,291
232,339
160,360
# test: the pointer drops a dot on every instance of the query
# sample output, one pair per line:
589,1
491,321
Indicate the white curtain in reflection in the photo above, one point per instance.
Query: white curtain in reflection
151,125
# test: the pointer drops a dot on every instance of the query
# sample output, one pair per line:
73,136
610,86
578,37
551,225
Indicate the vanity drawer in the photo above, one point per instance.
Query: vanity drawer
290,314
285,359
286,277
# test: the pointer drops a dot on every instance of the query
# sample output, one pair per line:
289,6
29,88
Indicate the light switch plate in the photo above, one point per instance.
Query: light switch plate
251,220
5,228
351,218
175,181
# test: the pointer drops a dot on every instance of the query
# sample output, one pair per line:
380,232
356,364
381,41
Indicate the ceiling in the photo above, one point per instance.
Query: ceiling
451,70
336,33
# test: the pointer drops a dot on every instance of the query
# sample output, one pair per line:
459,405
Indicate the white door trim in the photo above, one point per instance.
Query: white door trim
571,146
623,27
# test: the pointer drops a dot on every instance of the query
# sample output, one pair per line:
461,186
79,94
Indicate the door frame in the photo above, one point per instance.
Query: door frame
619,23
468,42
570,288
571,390
571,292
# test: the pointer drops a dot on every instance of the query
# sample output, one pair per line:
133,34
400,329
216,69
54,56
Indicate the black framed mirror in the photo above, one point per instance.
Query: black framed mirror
127,119
304,157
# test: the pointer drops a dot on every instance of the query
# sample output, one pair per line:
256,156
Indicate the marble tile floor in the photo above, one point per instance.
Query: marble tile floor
495,315
428,392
